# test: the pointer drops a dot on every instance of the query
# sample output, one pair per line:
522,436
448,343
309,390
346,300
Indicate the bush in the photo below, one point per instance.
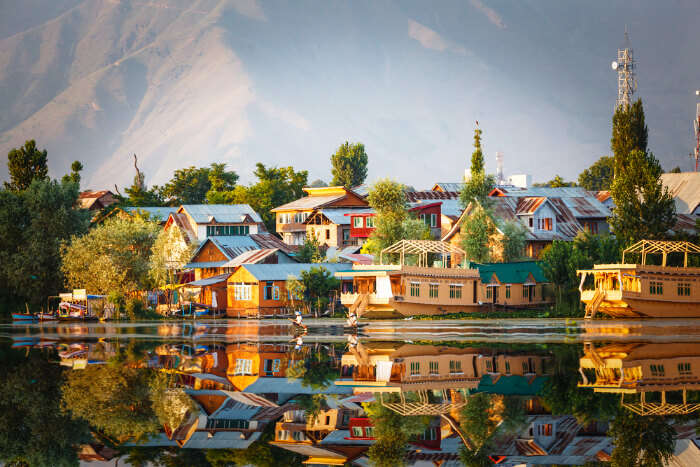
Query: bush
135,309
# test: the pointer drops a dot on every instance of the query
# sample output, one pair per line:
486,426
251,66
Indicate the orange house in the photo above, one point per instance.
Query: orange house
247,362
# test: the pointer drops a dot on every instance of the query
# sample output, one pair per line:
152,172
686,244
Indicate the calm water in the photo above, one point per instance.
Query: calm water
229,392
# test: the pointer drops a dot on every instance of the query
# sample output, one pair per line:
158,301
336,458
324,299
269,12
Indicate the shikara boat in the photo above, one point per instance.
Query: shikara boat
643,290
23,317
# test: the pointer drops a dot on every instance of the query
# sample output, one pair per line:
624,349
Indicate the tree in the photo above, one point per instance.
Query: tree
170,251
33,225
556,182
513,239
113,256
555,265
315,286
479,185
171,405
318,183
629,133
275,186
388,199
641,441
138,194
675,170
76,167
25,164
598,176
311,251
476,231
349,165
644,209
115,399
34,430
478,419
316,370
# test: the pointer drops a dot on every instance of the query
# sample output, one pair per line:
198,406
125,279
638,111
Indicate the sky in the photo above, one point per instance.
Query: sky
409,79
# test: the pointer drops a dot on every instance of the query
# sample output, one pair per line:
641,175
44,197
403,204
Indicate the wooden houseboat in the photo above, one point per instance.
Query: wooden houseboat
409,290
645,290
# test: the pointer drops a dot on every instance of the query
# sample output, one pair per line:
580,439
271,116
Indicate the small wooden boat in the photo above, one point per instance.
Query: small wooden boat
42,316
23,317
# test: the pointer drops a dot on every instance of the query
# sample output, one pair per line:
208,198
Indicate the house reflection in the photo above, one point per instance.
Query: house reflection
661,378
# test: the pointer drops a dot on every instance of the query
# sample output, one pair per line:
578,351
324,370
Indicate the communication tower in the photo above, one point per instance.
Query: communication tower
626,80
500,180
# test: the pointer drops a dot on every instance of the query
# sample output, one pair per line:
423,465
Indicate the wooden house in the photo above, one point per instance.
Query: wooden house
450,206
96,200
200,221
261,289
291,217
333,227
518,284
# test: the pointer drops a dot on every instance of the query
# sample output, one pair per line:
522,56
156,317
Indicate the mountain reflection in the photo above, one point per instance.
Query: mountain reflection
194,397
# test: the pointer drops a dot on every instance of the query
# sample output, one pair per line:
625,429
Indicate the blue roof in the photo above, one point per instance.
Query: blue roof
270,385
230,246
156,212
510,273
513,385
280,272
221,213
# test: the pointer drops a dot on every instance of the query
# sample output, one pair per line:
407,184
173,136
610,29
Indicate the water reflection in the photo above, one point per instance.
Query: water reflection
239,393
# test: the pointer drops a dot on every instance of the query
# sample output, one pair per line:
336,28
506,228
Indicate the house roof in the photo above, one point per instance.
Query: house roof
581,203
307,202
341,216
230,246
156,212
280,272
511,385
221,440
267,240
413,196
210,280
250,257
510,273
271,385
529,204
685,189
223,213
454,187
603,195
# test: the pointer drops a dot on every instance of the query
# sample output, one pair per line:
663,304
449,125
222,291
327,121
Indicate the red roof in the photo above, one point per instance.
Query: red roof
603,195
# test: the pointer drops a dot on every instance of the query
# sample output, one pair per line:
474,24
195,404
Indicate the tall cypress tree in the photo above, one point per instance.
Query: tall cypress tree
477,156
629,133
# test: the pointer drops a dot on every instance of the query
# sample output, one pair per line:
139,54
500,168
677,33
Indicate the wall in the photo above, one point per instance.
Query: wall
208,253
443,297
257,303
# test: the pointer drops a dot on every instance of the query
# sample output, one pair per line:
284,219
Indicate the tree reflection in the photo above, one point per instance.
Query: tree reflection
641,441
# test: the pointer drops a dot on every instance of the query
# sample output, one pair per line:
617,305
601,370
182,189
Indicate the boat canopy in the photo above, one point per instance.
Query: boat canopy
663,248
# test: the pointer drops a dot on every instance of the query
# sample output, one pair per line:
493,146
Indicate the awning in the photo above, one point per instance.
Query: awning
205,264
210,280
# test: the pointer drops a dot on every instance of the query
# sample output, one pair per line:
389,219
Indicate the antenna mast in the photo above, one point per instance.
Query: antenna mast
626,79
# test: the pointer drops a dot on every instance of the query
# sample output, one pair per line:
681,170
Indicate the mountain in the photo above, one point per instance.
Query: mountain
190,82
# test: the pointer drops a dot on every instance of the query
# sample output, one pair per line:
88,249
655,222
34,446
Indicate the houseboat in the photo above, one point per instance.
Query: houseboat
412,289
670,289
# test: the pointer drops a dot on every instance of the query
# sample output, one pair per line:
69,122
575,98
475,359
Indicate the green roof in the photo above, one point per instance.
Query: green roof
513,385
510,273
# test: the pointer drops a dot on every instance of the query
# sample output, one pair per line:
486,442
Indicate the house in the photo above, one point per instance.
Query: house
261,289
249,361
605,197
96,200
685,189
296,427
291,217
200,221
333,228
547,214
513,284
448,187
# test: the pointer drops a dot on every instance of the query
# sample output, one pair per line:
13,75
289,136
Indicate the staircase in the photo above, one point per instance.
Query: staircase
594,304
360,304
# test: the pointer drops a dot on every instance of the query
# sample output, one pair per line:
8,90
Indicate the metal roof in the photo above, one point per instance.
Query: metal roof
307,202
341,216
268,240
281,272
271,385
158,212
581,203
510,273
250,257
220,440
222,213
413,196
210,280
685,189
231,246
455,187
529,205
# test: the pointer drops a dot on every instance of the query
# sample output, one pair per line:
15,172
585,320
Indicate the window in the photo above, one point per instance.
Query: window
507,367
357,222
684,289
272,366
328,234
227,230
357,432
456,291
544,430
434,368
547,223
657,370
526,368
369,432
684,369
530,221
489,366
455,366
431,434
488,292
346,235
214,423
369,222
241,292
415,289
433,220
433,291
415,368
298,436
507,290
243,366
267,291
656,287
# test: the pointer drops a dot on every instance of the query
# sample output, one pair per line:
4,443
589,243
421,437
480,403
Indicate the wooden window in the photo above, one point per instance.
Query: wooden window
241,292
328,234
656,287
507,290
369,222
684,369
544,430
434,368
357,222
455,367
433,220
489,366
657,370
415,368
684,289
415,289
456,291
433,291
530,222
244,366
507,367
526,368
369,432
357,432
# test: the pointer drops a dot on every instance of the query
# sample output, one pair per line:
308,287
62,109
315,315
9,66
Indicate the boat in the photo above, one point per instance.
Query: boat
670,289
43,316
23,317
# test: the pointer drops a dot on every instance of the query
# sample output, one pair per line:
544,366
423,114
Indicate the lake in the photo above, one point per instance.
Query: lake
401,392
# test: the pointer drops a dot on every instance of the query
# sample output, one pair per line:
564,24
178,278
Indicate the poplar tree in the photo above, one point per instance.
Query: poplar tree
25,164
349,165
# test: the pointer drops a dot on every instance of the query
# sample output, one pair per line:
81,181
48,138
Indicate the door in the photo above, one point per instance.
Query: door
495,294
530,290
